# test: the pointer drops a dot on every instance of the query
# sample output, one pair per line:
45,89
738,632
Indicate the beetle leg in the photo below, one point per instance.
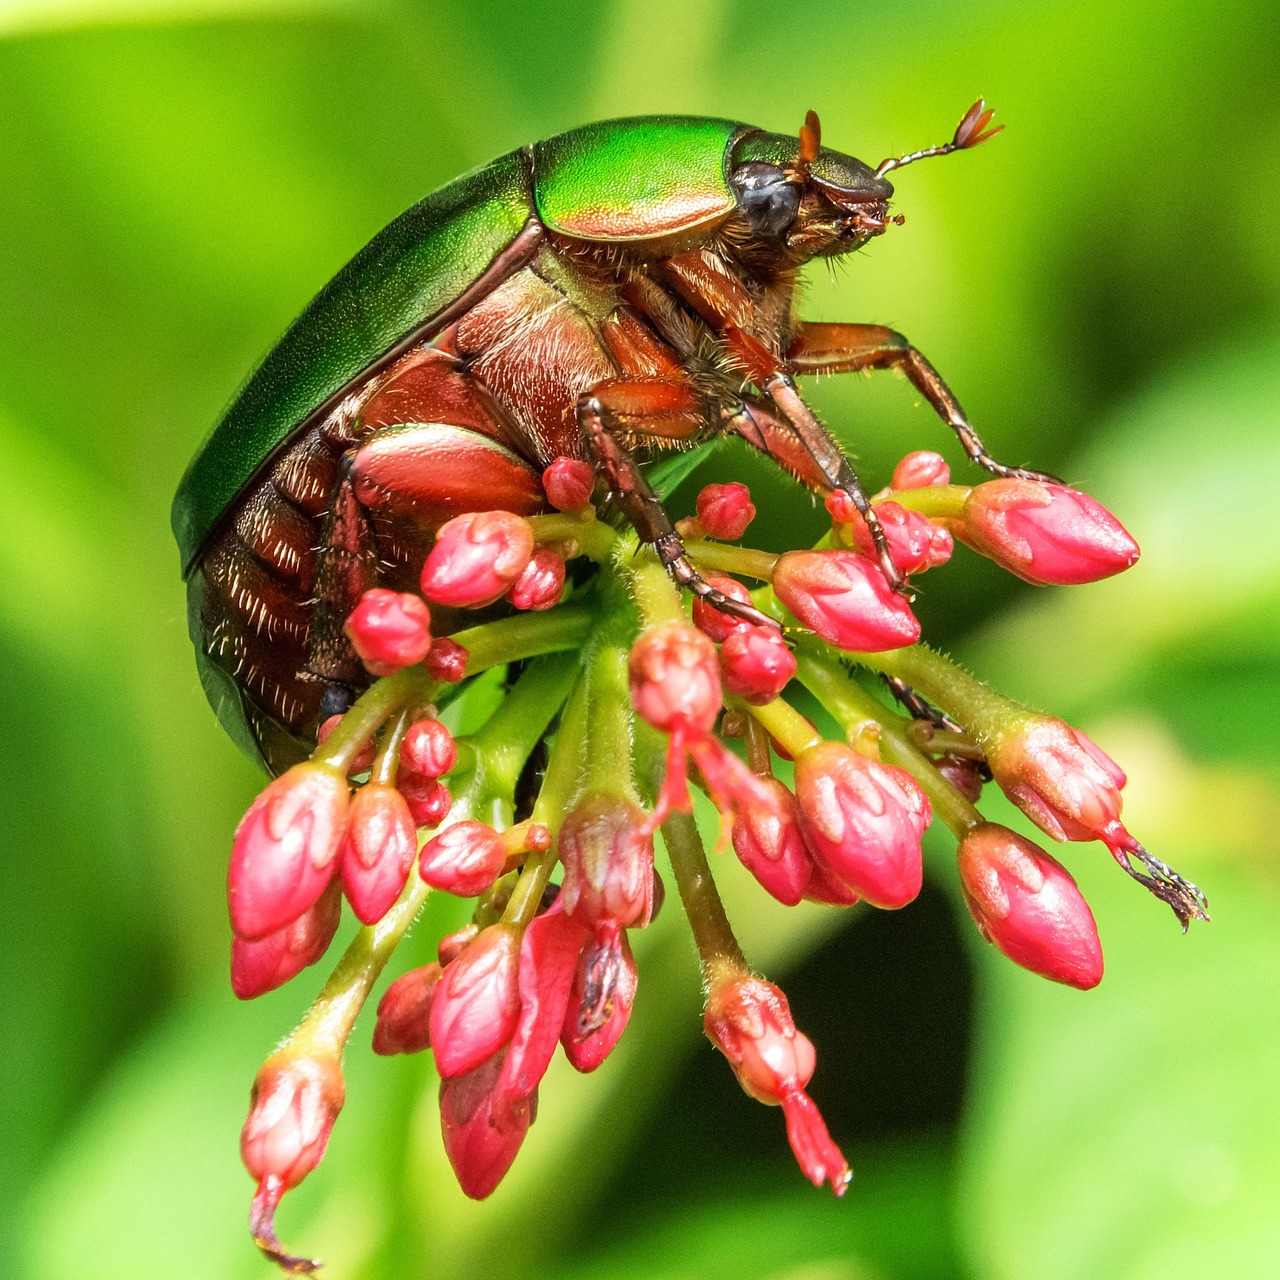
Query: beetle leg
600,422
845,348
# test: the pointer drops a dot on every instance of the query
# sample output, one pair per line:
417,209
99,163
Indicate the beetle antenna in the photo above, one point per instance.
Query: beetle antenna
810,143
971,131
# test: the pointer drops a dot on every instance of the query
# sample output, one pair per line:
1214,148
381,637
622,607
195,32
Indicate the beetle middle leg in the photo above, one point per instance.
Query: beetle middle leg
848,348
664,408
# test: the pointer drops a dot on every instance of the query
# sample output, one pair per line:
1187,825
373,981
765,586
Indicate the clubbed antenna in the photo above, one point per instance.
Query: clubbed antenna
971,131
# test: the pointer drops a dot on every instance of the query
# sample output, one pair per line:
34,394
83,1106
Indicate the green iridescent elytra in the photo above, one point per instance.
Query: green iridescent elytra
649,178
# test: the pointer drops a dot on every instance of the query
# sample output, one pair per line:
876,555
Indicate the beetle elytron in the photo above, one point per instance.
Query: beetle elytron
617,289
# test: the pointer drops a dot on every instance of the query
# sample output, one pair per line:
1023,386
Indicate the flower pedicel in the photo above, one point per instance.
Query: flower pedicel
391,806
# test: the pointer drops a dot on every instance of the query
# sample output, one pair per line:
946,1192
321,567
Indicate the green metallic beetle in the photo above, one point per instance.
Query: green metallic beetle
618,289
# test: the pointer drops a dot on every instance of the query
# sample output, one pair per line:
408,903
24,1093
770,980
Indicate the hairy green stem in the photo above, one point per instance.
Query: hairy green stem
718,948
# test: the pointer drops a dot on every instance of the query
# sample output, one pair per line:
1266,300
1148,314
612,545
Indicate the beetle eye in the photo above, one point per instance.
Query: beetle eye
765,195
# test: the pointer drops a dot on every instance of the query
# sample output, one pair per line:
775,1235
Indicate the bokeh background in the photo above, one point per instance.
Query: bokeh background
1102,287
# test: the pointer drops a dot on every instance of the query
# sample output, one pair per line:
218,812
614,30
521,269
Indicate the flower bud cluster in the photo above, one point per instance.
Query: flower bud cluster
391,807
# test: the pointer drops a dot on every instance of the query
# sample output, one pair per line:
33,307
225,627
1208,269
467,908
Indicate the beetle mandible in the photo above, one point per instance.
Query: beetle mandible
615,290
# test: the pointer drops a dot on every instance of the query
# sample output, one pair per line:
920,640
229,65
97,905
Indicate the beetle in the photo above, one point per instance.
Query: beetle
613,291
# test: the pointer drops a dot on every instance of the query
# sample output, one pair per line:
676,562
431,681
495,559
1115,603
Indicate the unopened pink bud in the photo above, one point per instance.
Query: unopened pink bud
1045,533
285,849
825,888
464,859
719,626
863,821
921,470
541,583
389,630
1026,903
750,1022
915,542
476,1002
451,945
429,748
604,990
428,799
378,850
756,664
291,1112
478,1150
768,842
548,958
568,483
725,510
477,558
675,678
1060,779
262,966
843,597
446,660
608,862
404,1012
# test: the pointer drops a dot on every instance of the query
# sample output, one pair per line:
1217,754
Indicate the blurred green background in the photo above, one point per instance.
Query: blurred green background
1102,287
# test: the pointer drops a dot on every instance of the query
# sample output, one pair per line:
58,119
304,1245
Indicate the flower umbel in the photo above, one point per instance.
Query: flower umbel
638,691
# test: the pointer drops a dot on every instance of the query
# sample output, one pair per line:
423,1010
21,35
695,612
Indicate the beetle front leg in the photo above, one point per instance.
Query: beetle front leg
849,348
598,410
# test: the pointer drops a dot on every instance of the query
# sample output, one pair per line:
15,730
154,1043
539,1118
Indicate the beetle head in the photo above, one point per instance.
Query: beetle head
814,201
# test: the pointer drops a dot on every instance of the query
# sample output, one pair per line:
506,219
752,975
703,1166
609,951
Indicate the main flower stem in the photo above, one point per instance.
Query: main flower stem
563,776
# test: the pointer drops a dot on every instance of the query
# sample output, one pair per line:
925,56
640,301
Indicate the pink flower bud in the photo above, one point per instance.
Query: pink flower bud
604,989
464,859
756,664
719,626
608,862
478,1150
825,888
725,510
389,630
378,850
863,821
294,1103
428,748
921,470
844,598
568,483
750,1022
446,660
262,966
1060,779
451,944
541,582
1045,533
477,558
548,958
675,678
476,1002
768,842
285,847
1026,903
363,759
915,542
404,1012
429,800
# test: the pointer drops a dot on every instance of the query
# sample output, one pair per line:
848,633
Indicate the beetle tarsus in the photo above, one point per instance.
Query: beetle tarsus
671,553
